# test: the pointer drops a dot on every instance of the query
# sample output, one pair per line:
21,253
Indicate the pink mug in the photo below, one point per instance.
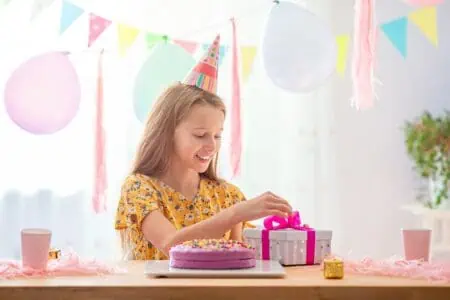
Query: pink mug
416,244
35,247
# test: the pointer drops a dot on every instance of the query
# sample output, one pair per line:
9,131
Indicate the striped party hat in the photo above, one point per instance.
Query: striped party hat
204,74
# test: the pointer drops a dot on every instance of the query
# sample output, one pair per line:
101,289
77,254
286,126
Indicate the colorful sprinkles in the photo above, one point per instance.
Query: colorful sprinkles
216,244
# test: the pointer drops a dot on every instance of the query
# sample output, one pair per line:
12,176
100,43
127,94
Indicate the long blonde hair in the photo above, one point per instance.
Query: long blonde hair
173,105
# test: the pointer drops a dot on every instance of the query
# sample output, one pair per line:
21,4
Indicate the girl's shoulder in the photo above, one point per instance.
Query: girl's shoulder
222,186
140,181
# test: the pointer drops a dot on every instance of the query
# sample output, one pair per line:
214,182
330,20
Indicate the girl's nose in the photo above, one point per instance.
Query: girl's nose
211,144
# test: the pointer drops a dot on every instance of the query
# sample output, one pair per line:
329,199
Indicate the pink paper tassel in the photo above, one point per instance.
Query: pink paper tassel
363,54
236,133
100,184
68,265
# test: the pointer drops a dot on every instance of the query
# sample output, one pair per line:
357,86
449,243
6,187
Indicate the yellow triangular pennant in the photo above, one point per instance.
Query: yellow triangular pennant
425,19
247,56
127,35
342,48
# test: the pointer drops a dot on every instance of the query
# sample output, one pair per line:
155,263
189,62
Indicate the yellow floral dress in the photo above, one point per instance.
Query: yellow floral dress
141,195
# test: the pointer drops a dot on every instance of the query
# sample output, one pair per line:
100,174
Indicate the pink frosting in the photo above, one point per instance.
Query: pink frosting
218,264
212,254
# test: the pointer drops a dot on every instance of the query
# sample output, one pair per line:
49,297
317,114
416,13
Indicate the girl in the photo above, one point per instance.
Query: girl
173,193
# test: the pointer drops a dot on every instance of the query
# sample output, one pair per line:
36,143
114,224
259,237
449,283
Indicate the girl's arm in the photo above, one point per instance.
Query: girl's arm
236,232
163,235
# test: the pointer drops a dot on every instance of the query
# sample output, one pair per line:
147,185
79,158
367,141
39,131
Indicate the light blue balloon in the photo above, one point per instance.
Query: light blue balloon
167,63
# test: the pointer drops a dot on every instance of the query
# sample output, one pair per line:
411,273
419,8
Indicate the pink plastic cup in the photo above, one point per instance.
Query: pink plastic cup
416,244
35,247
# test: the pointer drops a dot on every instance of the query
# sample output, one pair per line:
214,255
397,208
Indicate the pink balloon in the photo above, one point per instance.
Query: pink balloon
42,95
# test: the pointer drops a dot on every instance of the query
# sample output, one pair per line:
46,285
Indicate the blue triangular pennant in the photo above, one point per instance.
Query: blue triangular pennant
69,13
396,31
222,51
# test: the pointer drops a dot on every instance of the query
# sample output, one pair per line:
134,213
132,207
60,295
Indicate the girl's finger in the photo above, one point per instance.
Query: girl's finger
281,207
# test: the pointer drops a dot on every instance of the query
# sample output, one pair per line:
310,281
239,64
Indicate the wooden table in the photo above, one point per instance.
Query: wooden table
301,283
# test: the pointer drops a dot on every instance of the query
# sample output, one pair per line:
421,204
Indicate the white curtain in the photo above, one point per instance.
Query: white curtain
47,181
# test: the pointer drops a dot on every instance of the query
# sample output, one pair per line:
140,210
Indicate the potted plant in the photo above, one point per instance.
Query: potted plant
428,144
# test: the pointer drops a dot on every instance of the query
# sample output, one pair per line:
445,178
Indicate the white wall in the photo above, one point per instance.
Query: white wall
374,176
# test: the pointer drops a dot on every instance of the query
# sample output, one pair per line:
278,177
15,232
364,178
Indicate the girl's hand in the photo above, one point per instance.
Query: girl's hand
262,206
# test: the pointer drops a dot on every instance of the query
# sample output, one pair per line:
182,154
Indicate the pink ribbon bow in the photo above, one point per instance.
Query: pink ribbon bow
291,222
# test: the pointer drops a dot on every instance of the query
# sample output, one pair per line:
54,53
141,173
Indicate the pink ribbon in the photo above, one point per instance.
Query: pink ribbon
292,222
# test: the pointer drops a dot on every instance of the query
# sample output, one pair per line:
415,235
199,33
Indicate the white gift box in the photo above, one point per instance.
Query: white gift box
289,246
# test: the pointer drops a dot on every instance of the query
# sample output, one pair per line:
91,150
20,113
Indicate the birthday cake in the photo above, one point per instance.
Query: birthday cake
212,254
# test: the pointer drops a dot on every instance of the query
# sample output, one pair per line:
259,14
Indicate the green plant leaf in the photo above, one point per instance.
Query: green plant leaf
427,141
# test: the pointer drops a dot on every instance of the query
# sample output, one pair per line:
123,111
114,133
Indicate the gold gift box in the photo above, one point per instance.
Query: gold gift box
333,268
54,253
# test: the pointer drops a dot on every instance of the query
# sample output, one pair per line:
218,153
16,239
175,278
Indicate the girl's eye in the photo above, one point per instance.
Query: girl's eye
200,136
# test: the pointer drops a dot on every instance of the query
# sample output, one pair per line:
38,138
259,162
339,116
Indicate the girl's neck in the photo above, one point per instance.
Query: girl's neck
183,180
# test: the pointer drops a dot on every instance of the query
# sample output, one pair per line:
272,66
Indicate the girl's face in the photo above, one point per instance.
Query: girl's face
197,138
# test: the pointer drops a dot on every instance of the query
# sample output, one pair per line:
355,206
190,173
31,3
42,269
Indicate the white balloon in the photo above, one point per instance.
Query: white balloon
298,49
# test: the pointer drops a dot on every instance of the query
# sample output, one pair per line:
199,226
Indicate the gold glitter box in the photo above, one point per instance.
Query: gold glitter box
333,268
54,253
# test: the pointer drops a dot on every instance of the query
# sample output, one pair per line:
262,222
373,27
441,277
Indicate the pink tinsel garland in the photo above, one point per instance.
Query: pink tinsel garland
395,267
67,265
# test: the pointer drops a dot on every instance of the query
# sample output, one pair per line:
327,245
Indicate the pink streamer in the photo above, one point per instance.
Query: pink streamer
67,265
363,54
236,134
394,267
100,184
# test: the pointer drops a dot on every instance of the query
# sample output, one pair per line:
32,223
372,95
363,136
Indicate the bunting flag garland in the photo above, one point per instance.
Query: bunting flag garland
425,20
190,47
126,36
396,31
248,54
236,134
342,42
222,51
424,17
69,14
100,179
38,6
152,39
97,25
